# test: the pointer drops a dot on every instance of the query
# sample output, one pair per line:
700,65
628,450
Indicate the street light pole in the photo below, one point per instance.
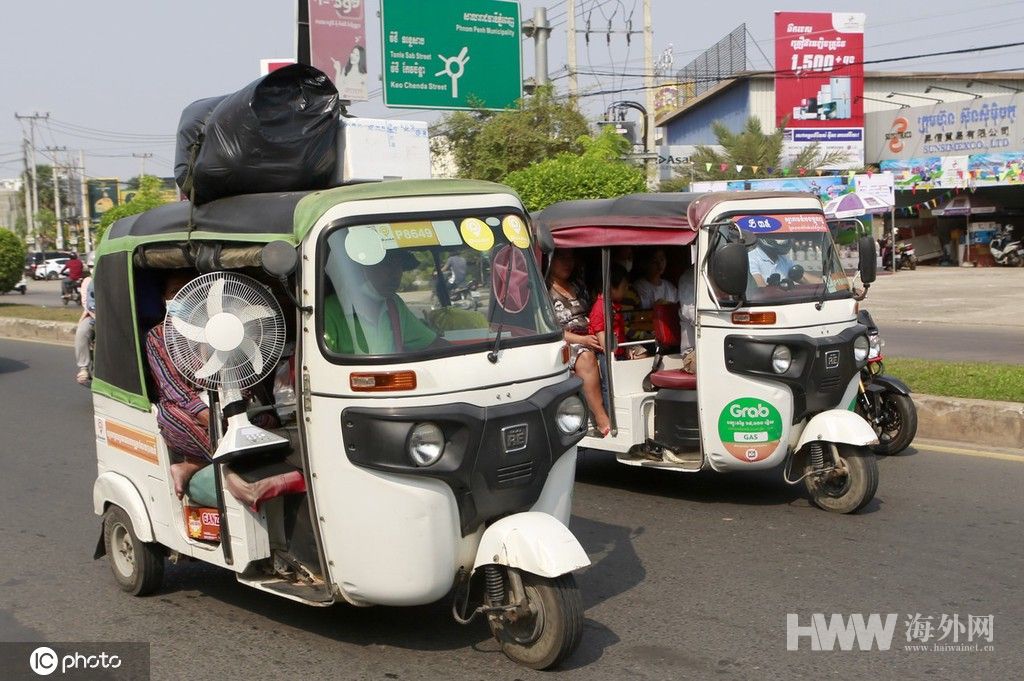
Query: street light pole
652,166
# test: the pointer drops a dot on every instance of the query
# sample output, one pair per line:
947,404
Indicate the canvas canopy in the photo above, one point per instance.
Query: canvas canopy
650,219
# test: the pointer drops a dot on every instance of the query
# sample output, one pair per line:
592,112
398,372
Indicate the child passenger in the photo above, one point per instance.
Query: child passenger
619,289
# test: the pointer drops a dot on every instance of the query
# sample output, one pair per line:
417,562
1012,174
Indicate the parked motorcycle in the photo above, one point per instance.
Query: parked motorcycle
1005,249
905,256
884,401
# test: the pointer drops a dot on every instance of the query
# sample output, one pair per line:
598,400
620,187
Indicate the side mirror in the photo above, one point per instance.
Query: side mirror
544,239
730,269
279,259
866,254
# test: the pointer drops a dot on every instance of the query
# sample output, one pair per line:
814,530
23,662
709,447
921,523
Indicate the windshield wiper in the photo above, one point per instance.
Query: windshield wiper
492,356
826,267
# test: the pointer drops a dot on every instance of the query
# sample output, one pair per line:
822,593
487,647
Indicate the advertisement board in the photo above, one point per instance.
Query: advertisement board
460,54
103,195
337,44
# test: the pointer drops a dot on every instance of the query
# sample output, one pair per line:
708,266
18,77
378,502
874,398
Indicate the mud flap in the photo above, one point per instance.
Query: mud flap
101,546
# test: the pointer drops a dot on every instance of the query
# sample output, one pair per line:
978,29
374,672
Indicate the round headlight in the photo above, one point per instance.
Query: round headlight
861,347
570,415
426,444
875,346
782,359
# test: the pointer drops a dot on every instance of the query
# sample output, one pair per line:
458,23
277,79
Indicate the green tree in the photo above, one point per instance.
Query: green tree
12,259
46,218
597,173
488,145
757,153
147,197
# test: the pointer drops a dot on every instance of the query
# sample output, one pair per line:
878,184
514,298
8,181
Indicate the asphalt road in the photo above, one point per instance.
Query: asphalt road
692,576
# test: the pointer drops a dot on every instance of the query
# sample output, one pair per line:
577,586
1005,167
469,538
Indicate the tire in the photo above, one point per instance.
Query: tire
560,609
898,425
50,276
849,493
138,567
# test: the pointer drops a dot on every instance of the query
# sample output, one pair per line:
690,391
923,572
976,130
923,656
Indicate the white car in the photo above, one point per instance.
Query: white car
50,269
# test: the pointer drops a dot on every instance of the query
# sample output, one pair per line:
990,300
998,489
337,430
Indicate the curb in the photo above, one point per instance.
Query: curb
979,422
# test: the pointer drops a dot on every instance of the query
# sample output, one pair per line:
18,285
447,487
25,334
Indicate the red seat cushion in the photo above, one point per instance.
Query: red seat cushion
674,379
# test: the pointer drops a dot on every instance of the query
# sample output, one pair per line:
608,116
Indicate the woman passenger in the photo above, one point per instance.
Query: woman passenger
651,287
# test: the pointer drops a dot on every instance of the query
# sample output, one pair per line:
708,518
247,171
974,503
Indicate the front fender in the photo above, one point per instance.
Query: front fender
884,382
114,488
838,425
533,542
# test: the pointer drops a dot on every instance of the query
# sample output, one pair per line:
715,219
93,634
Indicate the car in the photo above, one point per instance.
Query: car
21,287
35,260
50,269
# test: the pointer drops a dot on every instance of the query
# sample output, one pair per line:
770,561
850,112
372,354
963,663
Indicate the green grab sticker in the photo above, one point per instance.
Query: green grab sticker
750,428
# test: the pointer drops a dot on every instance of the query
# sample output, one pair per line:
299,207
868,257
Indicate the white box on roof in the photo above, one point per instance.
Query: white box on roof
372,149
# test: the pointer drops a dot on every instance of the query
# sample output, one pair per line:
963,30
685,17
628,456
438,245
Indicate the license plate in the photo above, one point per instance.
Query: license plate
513,438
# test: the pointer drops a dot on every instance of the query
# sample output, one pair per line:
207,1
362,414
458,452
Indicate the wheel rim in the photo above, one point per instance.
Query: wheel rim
123,550
835,485
889,423
527,629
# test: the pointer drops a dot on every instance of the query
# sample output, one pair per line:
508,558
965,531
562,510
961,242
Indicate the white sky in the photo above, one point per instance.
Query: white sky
131,66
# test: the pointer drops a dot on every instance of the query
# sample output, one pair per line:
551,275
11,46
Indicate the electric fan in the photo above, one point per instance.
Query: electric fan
223,331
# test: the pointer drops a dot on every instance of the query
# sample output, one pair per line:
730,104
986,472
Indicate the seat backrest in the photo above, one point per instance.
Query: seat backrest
666,324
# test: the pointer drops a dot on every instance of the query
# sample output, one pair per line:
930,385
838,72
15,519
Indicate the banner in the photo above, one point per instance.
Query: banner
103,195
819,64
337,44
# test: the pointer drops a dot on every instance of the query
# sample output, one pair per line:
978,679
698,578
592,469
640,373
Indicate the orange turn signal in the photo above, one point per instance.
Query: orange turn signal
383,381
753,318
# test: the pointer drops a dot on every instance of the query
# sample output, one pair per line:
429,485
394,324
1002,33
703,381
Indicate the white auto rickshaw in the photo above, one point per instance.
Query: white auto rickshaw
778,347
426,450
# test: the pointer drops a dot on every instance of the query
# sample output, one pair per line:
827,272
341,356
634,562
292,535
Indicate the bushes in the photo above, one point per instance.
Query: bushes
12,260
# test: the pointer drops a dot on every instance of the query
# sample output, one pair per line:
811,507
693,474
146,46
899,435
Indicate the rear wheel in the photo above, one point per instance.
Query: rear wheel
897,423
138,566
548,629
848,488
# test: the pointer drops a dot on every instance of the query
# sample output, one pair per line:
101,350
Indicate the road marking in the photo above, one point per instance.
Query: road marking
971,452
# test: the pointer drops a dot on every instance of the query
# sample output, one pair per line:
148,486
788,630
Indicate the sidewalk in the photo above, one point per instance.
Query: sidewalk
960,296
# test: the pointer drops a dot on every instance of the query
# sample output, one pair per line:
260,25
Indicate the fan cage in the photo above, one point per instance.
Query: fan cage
243,297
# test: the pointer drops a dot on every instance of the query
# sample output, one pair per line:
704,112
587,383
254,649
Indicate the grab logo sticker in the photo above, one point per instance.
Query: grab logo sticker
750,429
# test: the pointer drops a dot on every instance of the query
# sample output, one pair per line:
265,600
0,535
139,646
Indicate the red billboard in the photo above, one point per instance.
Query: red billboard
337,44
819,70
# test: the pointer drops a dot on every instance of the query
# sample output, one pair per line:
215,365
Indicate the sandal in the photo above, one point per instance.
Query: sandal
83,376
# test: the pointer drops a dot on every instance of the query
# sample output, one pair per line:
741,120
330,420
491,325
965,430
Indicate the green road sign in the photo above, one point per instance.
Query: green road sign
455,54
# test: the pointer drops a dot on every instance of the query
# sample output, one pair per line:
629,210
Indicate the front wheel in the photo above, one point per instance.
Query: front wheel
896,425
138,567
848,488
547,629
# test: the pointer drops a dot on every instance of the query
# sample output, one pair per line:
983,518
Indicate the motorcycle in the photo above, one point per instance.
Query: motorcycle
1005,249
884,401
904,256
463,296
72,293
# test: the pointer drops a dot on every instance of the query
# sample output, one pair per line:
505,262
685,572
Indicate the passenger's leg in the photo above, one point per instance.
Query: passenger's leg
586,368
83,334
183,473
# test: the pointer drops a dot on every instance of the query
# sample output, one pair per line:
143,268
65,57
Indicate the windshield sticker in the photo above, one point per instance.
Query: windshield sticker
365,245
447,233
799,222
477,234
750,428
515,231
510,279
412,234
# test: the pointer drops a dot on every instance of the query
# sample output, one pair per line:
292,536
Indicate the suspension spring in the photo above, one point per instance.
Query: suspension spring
495,585
817,456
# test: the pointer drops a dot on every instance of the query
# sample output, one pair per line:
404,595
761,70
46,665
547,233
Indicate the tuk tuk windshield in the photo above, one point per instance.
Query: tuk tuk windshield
440,284
793,258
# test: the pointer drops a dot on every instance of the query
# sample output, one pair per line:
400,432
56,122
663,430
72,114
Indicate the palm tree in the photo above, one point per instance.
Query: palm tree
755,152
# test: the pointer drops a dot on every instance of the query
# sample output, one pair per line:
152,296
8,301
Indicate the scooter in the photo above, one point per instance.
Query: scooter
1006,250
884,401
905,256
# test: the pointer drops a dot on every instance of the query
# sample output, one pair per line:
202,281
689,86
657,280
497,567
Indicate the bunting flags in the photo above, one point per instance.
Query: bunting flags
707,167
754,168
739,167
723,167
915,209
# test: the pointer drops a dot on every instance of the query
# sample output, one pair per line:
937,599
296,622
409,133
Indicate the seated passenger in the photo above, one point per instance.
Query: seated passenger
184,420
651,287
623,256
571,306
619,285
687,292
366,316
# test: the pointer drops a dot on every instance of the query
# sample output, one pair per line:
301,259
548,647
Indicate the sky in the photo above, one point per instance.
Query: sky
114,75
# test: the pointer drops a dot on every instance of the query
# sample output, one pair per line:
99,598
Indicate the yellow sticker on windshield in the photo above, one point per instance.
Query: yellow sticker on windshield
409,234
477,234
515,231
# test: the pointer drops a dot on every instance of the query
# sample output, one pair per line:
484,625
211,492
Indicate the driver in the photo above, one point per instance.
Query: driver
770,264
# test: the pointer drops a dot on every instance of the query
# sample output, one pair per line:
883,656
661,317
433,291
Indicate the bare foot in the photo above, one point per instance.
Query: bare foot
246,492
181,473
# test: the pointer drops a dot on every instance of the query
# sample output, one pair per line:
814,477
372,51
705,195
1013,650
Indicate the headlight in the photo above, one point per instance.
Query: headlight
426,444
782,359
875,346
861,347
570,415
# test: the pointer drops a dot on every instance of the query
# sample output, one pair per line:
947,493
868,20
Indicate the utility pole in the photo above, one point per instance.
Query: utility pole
143,157
56,195
570,30
85,201
539,29
30,218
652,165
32,118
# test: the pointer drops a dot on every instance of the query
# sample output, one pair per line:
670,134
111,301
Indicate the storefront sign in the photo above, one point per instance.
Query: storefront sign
820,61
337,44
827,187
972,126
846,144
